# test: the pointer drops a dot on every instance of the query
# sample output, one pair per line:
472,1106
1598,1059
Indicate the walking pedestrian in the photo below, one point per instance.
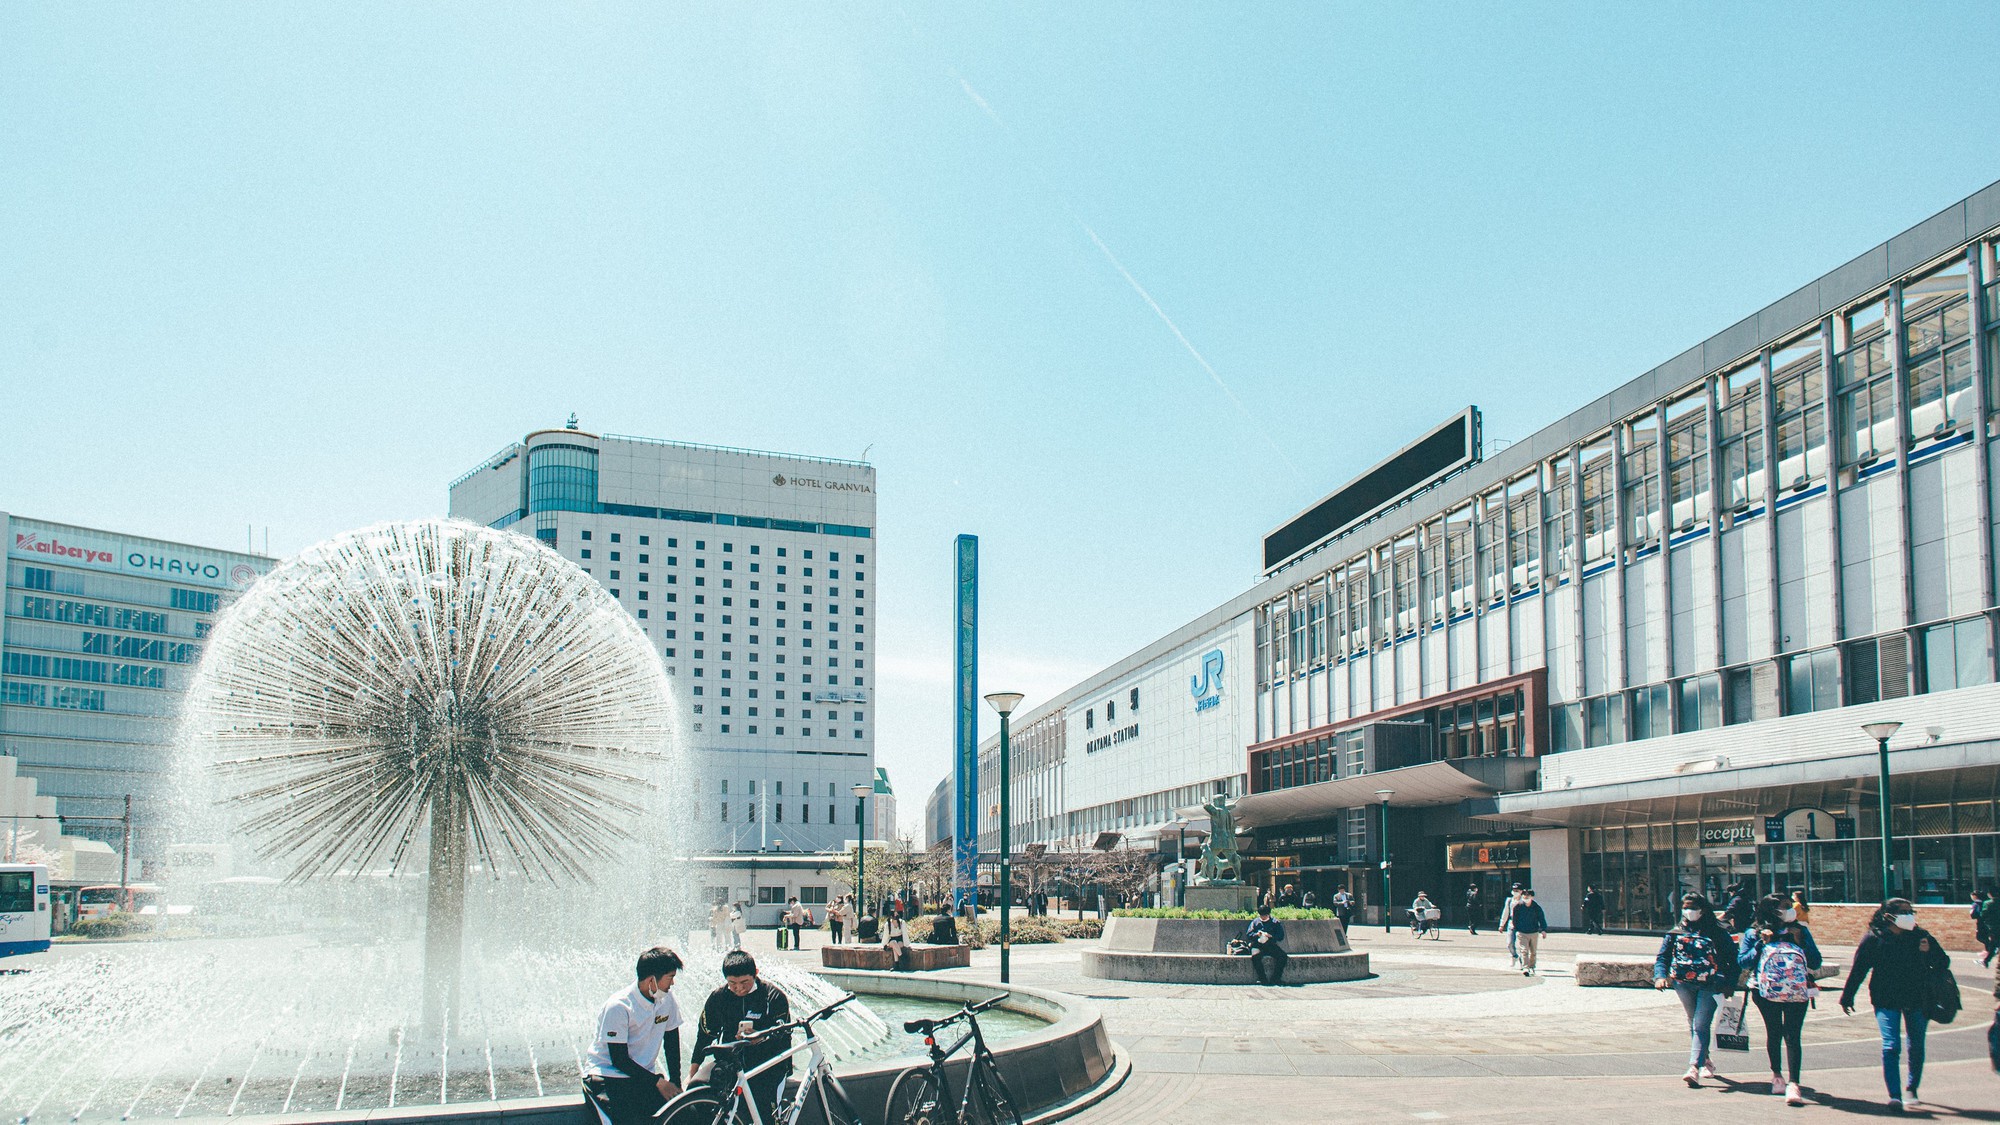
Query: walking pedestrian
1692,961
1507,924
1901,955
1343,906
1986,925
1266,936
718,926
1472,910
1529,923
797,917
1593,910
737,926
1740,910
1779,952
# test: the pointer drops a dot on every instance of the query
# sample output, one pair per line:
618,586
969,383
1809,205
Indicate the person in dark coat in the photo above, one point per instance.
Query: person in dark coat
1266,936
1901,956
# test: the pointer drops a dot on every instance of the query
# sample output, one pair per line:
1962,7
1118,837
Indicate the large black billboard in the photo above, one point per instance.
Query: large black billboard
1444,450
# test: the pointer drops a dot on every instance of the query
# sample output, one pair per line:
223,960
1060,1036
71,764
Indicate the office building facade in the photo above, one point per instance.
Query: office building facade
753,574
1635,650
102,632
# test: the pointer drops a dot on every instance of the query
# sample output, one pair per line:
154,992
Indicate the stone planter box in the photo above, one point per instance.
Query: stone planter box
923,958
1191,951
1631,973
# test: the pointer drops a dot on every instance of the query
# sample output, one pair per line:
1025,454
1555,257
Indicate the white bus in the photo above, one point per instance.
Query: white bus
24,908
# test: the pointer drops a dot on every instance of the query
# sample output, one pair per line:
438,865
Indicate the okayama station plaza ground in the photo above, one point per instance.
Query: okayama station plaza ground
1446,1031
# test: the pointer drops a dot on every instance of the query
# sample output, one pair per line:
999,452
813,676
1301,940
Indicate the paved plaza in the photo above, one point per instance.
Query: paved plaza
1445,1031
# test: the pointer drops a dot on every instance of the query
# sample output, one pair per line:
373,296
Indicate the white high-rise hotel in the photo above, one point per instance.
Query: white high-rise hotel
753,574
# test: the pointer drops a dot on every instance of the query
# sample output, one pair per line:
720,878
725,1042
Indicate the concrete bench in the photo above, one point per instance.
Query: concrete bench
1212,968
923,958
1620,972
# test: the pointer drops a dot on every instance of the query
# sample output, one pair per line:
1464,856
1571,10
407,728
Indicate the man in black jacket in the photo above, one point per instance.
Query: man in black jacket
1266,936
744,1006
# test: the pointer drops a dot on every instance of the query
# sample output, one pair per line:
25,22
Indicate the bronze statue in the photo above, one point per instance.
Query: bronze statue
1221,866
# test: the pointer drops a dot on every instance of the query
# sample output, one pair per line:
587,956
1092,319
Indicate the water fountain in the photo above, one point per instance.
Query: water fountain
438,680
455,753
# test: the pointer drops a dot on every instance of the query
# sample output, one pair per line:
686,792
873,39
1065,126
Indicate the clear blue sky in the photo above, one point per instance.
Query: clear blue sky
299,266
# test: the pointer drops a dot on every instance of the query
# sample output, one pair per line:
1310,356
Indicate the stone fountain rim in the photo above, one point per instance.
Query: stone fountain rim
1072,1017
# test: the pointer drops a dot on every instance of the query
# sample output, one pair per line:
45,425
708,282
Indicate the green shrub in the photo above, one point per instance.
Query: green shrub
1282,913
110,925
1024,931
1076,927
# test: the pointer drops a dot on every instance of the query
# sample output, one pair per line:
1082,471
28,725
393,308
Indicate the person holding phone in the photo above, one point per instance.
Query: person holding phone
746,1007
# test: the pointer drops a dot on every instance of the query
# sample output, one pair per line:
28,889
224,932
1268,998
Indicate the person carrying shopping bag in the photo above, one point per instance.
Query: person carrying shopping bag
1694,963
1779,953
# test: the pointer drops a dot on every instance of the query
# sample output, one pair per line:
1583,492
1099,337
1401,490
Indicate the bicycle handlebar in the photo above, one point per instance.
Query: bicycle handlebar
929,1026
793,1025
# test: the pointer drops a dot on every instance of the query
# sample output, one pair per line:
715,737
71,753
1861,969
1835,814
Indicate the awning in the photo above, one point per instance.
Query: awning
1420,786
1920,775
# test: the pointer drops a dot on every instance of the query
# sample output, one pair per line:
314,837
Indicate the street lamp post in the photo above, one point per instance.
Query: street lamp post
861,847
1180,862
1385,794
1881,733
1004,702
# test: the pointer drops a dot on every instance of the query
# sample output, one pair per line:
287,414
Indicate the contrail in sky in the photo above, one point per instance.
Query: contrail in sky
1187,344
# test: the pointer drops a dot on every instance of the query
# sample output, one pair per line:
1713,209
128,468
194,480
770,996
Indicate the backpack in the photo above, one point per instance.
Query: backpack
1692,957
1782,974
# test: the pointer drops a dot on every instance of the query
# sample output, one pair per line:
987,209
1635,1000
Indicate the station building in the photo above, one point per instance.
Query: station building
753,574
102,632
1634,651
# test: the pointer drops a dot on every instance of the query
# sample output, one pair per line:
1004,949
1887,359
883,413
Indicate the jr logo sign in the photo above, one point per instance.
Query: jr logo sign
1207,687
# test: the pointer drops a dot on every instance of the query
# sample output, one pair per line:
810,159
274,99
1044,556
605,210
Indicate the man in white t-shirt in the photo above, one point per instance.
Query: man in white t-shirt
632,1027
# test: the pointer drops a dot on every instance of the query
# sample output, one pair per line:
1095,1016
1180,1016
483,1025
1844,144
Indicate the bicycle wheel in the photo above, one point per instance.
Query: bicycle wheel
699,1107
991,1102
834,1108
915,1098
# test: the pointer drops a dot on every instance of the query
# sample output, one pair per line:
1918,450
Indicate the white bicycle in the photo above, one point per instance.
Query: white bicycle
707,1105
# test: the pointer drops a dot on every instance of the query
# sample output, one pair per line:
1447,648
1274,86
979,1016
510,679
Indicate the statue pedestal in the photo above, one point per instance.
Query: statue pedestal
1236,899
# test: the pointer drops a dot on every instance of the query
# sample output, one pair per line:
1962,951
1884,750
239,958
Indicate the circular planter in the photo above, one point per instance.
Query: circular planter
1191,951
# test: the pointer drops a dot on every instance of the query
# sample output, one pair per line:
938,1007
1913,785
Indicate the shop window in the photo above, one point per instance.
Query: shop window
1524,533
1700,705
1957,655
1558,517
1797,382
1652,711
1812,682
1604,720
1642,481
1493,546
1458,560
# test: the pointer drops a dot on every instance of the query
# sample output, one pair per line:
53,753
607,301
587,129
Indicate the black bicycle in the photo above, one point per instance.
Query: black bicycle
922,1095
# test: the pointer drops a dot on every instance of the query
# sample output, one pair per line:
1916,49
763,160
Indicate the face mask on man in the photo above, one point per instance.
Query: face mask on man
1691,914
1788,915
1906,921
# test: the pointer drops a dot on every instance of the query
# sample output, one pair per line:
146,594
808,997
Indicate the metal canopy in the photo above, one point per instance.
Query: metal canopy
1920,775
1421,786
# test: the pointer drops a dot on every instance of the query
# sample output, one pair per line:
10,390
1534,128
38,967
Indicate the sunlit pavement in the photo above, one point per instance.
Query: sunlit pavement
1446,1031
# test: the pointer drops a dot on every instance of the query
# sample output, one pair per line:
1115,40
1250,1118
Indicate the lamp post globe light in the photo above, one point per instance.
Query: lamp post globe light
1385,794
861,848
1881,733
1004,702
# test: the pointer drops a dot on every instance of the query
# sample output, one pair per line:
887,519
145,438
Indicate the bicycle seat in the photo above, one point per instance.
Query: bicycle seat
919,1027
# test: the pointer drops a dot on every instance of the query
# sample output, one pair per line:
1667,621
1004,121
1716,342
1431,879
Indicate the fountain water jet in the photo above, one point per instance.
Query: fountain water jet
431,678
